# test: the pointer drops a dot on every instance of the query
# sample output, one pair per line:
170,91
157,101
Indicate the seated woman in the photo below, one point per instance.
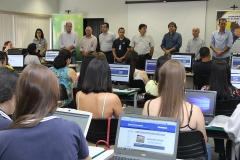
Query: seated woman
4,60
220,82
7,45
32,57
44,135
171,101
65,75
131,58
151,87
8,83
96,95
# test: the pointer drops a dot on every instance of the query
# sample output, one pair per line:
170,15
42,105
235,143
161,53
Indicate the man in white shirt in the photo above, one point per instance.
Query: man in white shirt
195,43
144,45
88,43
69,40
106,39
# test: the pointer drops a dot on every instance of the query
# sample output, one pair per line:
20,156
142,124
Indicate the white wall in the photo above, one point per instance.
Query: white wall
113,11
30,6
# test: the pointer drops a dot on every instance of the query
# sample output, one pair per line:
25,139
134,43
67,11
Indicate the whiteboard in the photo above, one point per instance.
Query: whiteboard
157,16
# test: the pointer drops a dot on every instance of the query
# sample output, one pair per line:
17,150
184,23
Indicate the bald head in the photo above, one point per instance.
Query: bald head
195,32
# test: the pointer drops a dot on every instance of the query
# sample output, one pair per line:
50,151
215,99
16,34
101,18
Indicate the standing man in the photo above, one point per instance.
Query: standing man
172,41
120,46
106,39
221,42
144,45
195,43
88,43
69,40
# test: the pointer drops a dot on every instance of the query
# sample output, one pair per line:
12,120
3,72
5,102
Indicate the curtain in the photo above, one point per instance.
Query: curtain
6,29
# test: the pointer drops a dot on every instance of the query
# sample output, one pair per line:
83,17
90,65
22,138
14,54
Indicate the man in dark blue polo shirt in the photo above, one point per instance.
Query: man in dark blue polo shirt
172,41
120,46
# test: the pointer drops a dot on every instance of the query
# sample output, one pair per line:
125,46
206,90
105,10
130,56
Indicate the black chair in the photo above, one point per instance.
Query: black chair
226,107
63,92
148,96
98,131
200,80
191,145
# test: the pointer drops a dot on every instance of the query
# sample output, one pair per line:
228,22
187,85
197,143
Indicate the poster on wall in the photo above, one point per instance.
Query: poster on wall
59,26
233,25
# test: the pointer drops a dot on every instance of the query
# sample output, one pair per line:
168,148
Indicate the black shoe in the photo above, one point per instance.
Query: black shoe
222,156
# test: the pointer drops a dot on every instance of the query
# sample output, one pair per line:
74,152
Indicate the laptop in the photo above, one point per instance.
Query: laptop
17,62
150,66
235,62
51,55
120,75
235,78
82,118
146,138
205,100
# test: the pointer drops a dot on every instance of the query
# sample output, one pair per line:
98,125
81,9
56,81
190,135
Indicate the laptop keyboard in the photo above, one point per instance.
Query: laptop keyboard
120,87
208,120
122,158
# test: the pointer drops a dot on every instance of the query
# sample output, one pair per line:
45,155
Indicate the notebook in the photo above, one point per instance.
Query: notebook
82,118
146,138
205,100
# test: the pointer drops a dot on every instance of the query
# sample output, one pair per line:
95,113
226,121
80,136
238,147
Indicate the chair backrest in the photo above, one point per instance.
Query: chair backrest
148,96
191,145
98,130
200,80
74,91
63,92
226,107
138,84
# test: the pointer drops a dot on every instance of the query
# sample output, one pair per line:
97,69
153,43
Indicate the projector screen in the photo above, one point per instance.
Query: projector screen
157,16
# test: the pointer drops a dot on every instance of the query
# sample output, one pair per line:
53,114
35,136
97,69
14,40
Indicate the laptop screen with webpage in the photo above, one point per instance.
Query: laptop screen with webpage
16,60
51,55
147,136
82,118
235,61
150,66
205,100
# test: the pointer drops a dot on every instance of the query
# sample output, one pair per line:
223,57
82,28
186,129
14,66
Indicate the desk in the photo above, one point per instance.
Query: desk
95,151
73,66
215,132
133,91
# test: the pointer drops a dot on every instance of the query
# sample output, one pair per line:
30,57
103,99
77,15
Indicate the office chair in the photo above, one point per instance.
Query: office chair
63,92
129,100
191,145
102,131
200,80
148,96
226,107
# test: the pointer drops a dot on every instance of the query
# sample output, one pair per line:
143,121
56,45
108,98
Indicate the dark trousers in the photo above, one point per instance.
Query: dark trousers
219,147
74,58
109,56
227,59
142,61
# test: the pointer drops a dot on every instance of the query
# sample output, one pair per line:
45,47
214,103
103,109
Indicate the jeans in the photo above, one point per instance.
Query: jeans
209,151
227,59
74,58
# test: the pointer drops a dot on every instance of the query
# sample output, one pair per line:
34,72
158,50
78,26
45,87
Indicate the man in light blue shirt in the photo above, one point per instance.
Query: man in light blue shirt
69,40
221,42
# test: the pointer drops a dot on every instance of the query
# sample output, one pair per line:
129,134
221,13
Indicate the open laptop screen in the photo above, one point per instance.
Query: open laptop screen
16,60
51,55
235,62
206,100
147,135
150,66
81,119
120,72
235,80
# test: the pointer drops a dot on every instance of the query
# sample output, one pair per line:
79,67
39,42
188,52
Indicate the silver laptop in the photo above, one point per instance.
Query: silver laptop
146,138
82,118
205,100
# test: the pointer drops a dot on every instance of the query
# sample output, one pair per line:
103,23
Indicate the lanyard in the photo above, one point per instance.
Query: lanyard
5,115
